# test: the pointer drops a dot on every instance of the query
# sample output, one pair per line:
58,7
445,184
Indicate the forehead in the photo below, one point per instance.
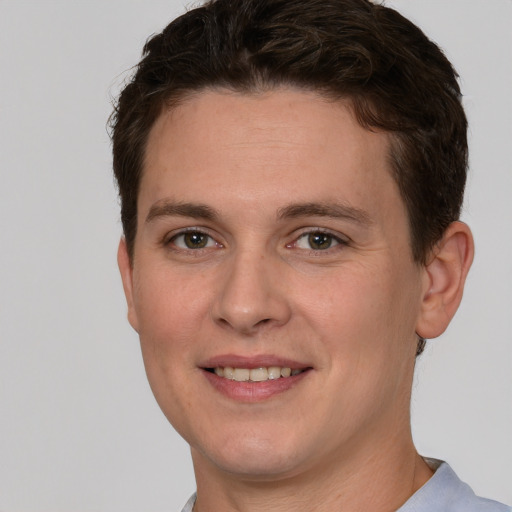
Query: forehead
217,142
283,116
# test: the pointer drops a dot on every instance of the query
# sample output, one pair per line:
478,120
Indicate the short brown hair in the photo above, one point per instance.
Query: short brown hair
395,78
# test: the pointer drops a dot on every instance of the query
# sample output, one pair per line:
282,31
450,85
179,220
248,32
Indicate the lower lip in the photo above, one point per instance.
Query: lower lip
253,391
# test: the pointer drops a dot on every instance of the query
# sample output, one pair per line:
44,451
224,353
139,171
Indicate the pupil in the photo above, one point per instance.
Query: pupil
195,240
320,240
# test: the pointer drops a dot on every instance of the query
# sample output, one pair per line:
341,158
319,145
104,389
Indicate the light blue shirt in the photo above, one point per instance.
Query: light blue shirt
444,492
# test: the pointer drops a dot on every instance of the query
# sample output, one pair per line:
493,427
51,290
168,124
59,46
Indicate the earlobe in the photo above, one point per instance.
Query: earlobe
126,270
445,276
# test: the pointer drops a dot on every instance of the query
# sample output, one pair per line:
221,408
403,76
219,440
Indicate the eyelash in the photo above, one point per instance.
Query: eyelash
171,241
334,241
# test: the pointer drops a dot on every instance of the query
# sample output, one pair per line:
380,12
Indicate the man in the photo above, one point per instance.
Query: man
291,176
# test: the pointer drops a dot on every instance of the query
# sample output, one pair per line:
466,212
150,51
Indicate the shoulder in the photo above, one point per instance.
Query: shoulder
446,492
189,506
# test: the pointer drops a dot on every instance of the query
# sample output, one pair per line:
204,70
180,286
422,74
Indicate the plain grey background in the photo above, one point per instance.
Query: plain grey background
79,428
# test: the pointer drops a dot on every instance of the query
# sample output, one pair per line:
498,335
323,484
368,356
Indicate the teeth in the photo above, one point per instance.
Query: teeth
255,374
241,374
274,372
258,374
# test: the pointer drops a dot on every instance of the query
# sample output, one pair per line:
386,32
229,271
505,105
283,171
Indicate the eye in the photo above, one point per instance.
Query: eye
317,241
193,240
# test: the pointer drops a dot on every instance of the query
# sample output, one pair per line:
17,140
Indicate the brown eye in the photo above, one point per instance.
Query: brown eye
319,241
193,240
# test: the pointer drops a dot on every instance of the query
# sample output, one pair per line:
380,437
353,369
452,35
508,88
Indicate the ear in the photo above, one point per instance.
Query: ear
126,269
445,275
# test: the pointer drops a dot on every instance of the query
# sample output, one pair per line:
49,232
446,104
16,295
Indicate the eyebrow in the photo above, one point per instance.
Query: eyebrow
167,208
332,210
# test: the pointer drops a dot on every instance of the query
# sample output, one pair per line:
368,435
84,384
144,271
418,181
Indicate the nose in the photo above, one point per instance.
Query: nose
252,296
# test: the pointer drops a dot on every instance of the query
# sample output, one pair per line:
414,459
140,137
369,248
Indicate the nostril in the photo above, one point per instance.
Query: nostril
223,321
247,328
246,302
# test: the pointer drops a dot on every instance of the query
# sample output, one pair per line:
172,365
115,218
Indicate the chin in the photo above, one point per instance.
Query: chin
253,458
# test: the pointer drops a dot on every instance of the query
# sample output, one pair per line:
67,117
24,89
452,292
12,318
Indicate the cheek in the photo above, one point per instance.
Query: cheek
169,312
366,331
370,311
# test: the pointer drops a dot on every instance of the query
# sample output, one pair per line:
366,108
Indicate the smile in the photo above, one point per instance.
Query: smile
255,374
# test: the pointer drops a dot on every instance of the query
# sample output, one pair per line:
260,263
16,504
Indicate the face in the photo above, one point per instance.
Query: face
273,286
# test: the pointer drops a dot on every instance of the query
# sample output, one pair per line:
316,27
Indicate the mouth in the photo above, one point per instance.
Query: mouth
261,374
253,379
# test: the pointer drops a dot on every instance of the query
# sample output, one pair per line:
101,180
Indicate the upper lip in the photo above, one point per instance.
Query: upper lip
250,362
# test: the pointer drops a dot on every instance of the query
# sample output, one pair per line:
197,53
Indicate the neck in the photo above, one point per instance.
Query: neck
381,481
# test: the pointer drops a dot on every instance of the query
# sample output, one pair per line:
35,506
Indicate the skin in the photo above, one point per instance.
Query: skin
349,311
